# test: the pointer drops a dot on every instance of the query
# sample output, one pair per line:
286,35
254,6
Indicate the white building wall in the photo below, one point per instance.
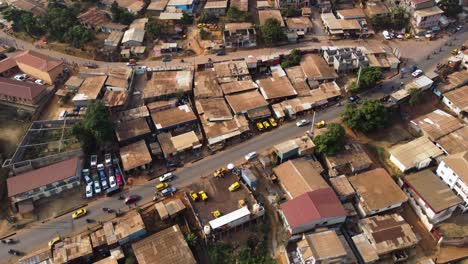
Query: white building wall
449,104
454,182
397,163
364,213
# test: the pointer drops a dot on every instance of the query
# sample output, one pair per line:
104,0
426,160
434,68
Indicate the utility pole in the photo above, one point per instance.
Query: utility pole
311,130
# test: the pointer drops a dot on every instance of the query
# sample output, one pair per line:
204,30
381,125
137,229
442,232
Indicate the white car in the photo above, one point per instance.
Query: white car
93,161
85,173
89,190
112,181
416,73
97,187
40,82
166,177
251,155
108,159
386,34
302,122
20,77
62,115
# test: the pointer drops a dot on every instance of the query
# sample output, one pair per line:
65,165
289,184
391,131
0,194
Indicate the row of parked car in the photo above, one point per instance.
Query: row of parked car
266,124
23,77
102,177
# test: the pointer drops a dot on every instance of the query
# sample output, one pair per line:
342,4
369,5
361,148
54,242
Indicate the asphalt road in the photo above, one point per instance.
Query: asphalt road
38,235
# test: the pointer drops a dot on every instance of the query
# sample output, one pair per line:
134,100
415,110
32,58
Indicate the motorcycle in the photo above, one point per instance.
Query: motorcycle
14,252
105,209
8,241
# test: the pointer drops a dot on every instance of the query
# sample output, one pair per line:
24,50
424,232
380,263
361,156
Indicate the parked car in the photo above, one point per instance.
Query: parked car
320,124
234,186
168,191
354,99
20,77
273,122
162,186
302,122
166,177
118,177
132,199
85,173
266,125
260,126
108,159
250,155
79,213
386,35
102,176
416,73
14,252
40,82
97,187
93,161
89,190
220,53
413,68
112,181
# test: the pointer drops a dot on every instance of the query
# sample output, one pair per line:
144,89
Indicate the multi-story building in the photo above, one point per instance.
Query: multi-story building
345,59
453,171
239,35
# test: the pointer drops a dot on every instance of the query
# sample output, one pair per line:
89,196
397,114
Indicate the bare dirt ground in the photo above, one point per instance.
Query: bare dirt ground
53,109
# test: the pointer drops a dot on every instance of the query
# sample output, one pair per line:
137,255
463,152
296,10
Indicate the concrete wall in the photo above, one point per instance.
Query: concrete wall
454,182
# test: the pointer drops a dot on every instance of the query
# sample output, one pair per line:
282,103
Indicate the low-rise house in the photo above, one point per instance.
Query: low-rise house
297,147
167,84
457,101
168,246
316,69
263,15
139,23
111,27
39,66
324,6
35,7
412,5
290,108
122,231
436,124
376,8
427,18
239,86
276,89
242,5
353,13
421,83
417,153
170,119
112,41
206,85
35,184
342,28
23,95
431,199
250,103
231,71
312,210
452,170
131,114
133,37
370,186
455,142
90,90
161,105
156,7
131,130
453,81
74,83
239,35
298,80
135,155
323,247
94,19
75,249
174,145
299,176
171,16
384,236
301,25
43,256
351,160
216,7
345,59
186,6
343,187
115,100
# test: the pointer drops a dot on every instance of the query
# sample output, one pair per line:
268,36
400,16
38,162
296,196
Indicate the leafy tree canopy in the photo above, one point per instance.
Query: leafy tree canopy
78,35
121,15
397,19
272,31
23,21
451,7
291,12
235,15
207,17
332,141
415,96
371,116
154,28
293,59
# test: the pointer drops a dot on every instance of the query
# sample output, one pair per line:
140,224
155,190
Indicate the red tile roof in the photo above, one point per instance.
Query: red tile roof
312,206
37,60
7,64
25,90
42,176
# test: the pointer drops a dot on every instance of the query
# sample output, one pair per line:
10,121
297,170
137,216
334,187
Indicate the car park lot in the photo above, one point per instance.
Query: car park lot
219,197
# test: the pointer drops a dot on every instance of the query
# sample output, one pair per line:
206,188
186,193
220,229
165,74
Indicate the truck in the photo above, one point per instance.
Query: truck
249,178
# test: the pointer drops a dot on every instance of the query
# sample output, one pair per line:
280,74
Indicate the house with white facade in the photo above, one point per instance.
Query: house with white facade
457,101
453,170
432,200
417,154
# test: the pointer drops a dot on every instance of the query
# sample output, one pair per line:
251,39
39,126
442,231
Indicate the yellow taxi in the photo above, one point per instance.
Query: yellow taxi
234,186
193,195
162,186
266,124
273,122
203,195
216,213
54,241
320,124
260,126
79,213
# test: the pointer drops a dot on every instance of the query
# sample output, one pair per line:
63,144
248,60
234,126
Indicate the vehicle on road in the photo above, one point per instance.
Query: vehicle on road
132,199
260,126
320,124
302,122
113,190
416,73
89,190
8,241
234,186
203,195
92,65
216,213
354,99
273,122
54,241
193,196
162,186
166,59
93,161
131,62
220,53
250,155
85,173
79,213
455,51
413,68
266,125
97,187
20,77
386,35
219,172
168,191
40,82
14,252
173,163
166,177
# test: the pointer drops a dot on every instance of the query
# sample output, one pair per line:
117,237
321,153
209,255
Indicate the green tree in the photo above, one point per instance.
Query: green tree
154,28
207,17
121,15
95,128
415,96
191,239
371,116
23,21
272,31
451,7
293,59
186,19
369,77
353,88
397,19
58,21
204,34
78,35
290,12
235,15
331,141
